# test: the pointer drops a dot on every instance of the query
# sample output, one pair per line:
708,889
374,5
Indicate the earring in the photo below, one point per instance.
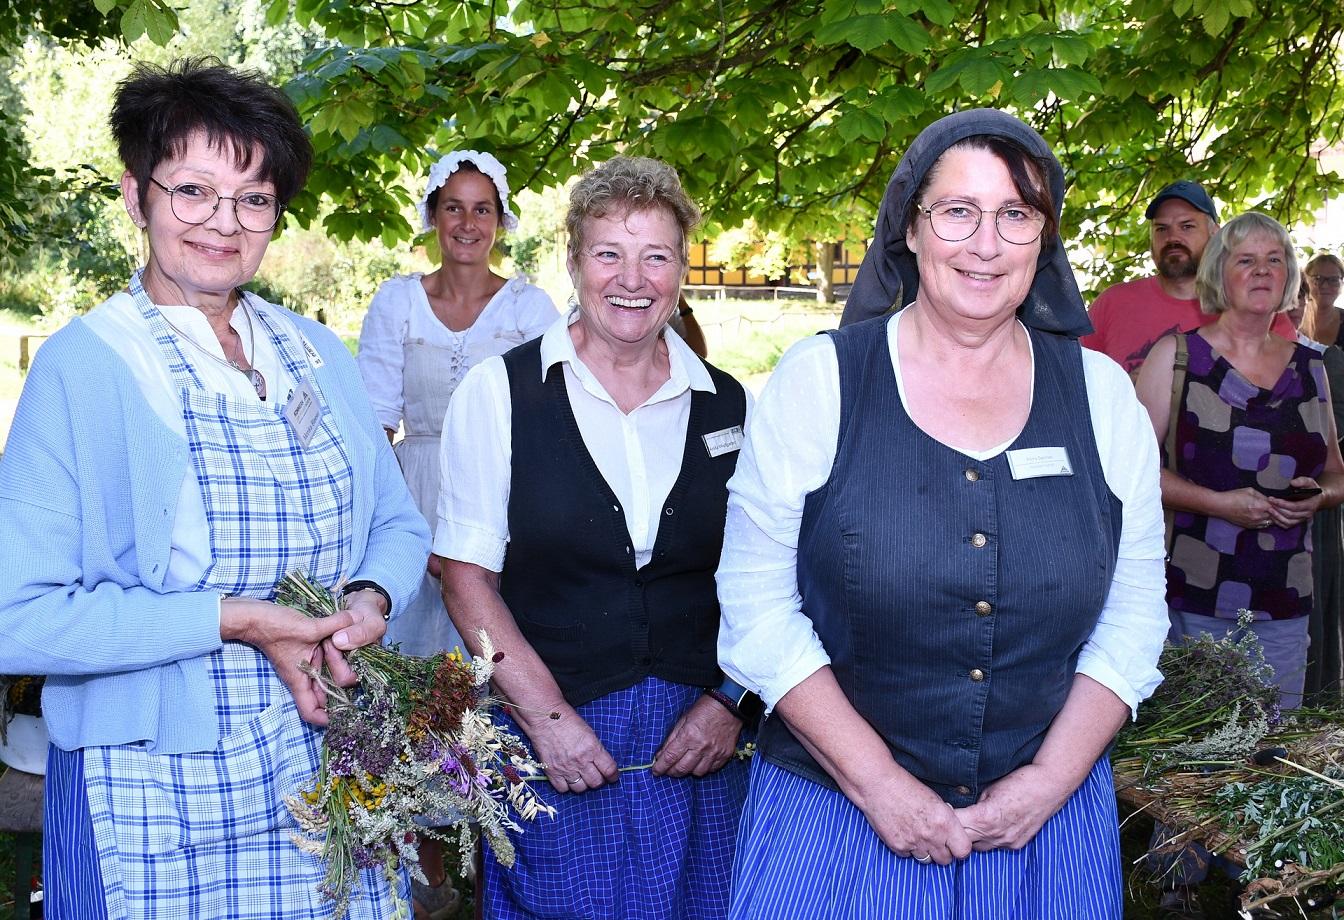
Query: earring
573,303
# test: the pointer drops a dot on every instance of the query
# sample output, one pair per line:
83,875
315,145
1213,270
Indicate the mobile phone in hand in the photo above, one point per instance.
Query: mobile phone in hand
1297,493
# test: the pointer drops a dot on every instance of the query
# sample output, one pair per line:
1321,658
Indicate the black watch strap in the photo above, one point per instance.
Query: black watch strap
737,699
364,584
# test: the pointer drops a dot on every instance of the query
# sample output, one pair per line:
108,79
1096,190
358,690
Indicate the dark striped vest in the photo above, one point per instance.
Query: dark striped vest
952,598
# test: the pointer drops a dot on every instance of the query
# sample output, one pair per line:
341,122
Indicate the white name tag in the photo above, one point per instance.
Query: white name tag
723,442
303,412
1031,462
313,357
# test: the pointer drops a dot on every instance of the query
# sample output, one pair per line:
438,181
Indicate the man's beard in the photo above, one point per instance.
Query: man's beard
1177,269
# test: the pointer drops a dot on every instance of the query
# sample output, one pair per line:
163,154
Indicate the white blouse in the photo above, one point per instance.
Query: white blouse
118,322
768,644
400,312
639,454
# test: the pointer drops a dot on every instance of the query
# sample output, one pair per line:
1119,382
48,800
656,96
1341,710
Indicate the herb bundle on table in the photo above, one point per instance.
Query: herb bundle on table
1212,754
414,739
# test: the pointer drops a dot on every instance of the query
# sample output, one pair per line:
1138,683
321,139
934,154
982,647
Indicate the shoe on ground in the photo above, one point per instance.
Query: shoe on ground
1180,902
436,902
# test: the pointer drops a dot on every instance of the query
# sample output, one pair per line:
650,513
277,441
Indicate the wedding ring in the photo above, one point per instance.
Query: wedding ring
922,860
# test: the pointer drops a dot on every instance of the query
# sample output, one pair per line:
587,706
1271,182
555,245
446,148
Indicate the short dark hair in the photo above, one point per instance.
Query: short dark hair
156,110
432,201
1028,173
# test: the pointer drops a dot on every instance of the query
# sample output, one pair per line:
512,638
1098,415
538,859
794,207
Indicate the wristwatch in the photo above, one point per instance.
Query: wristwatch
737,699
364,584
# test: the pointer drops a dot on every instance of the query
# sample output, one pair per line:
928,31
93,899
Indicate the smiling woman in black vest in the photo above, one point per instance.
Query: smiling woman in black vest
580,521
943,567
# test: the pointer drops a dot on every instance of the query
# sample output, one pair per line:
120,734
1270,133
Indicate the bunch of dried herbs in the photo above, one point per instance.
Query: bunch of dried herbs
414,739
1216,703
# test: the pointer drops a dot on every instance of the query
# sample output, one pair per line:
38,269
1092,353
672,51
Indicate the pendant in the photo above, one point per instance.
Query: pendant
258,382
253,376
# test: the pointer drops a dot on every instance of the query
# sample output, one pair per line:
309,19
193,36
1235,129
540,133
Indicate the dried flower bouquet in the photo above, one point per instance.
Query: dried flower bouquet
413,740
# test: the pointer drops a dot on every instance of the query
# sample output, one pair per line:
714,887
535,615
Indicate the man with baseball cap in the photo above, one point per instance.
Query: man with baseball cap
1130,317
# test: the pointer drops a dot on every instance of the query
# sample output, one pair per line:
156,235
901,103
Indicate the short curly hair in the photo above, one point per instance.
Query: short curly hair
1209,278
157,109
623,185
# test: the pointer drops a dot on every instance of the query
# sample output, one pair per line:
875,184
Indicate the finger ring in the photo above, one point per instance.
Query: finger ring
922,860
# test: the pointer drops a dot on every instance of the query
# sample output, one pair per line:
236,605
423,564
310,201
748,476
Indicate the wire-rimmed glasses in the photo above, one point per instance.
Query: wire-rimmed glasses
194,203
954,221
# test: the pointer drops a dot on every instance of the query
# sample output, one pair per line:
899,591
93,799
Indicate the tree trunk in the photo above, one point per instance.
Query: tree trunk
825,266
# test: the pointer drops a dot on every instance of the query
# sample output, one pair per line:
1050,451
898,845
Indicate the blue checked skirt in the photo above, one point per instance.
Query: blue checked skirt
645,848
806,852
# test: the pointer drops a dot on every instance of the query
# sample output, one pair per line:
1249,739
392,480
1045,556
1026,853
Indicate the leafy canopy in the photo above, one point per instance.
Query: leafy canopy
29,195
792,113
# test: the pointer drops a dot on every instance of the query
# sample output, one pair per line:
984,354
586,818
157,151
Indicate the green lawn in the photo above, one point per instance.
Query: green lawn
747,337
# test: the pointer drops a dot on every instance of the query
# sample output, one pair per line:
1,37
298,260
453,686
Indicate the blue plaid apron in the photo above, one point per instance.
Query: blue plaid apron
207,835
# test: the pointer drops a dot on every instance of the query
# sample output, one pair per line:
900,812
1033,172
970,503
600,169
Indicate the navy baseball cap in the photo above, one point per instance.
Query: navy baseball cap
1192,193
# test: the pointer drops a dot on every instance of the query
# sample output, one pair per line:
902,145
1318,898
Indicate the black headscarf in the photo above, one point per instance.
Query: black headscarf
889,277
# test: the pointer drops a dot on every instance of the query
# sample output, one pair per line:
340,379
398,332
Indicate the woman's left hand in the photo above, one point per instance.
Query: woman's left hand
1288,513
1012,810
701,742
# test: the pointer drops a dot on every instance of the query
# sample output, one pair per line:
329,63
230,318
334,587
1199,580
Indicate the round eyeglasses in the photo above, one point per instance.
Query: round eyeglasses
954,221
193,203
1326,280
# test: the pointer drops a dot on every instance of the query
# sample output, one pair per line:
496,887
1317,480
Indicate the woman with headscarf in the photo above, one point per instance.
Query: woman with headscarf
176,452
947,583
423,332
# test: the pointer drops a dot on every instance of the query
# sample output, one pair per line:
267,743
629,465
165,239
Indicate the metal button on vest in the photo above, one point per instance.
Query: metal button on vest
963,790
972,475
977,675
984,608
978,540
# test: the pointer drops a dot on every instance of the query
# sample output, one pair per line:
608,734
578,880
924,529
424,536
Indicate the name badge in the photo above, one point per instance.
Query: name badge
1032,462
303,412
723,442
313,357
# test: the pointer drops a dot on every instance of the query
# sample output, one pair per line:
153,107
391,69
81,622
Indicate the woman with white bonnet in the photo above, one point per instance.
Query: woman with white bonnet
424,331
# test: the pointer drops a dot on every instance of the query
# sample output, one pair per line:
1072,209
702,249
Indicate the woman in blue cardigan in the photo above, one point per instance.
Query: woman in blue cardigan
175,453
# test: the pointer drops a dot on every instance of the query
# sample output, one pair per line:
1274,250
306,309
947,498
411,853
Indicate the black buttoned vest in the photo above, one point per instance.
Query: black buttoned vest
569,575
952,599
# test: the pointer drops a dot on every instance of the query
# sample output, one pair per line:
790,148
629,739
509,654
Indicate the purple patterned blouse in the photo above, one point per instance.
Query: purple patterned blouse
1233,434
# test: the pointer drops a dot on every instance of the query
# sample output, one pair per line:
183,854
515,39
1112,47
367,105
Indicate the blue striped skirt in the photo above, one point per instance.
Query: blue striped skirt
807,852
645,848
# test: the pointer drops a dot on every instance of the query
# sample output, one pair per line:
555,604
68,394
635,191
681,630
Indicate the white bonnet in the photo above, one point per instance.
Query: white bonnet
487,164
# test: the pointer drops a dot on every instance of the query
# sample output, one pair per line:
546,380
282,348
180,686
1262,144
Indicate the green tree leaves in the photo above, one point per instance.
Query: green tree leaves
152,18
792,113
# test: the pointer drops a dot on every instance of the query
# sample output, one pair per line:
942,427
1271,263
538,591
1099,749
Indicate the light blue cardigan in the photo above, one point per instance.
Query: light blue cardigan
88,492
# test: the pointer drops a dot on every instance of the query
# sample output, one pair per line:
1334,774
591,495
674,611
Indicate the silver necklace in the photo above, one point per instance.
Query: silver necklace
251,373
